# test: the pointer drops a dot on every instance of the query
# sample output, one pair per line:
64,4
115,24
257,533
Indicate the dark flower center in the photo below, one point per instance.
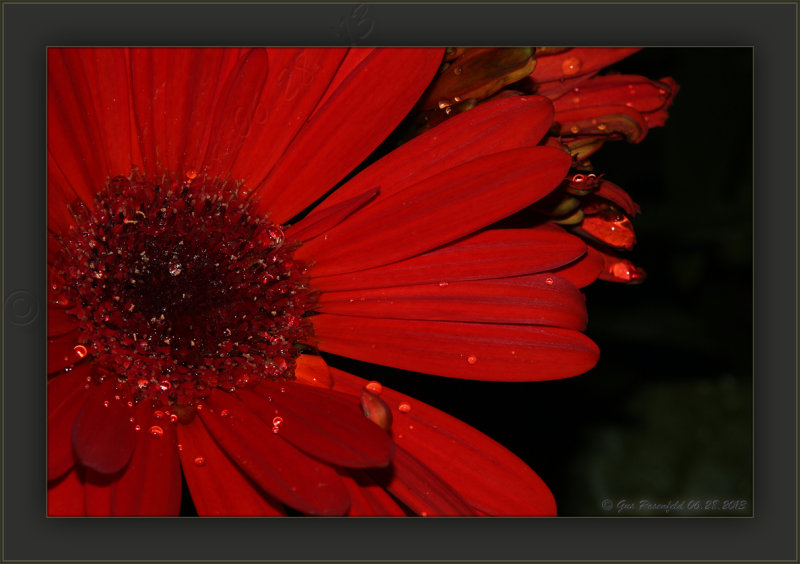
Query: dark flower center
181,288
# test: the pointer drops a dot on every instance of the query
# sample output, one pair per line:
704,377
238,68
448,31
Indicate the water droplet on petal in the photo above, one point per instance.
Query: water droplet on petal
199,461
549,281
175,267
571,66
105,403
80,350
374,387
173,418
575,129
156,432
138,428
276,429
224,413
458,70
443,284
443,103
404,407
180,447
472,359
191,174
276,421
158,414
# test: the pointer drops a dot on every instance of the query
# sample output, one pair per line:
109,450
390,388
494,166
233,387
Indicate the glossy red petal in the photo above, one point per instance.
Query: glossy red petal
439,210
553,71
477,351
534,300
496,253
312,370
88,107
583,271
321,423
64,351
59,322
295,83
367,498
281,470
614,193
97,490
602,120
65,496
173,112
484,473
419,488
489,128
638,92
217,486
103,437
322,219
65,397
350,125
151,483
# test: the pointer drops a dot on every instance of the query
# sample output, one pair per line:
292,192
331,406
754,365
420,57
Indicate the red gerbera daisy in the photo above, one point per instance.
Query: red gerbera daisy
199,262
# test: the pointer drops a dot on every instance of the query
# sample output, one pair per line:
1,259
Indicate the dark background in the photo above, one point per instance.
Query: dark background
666,415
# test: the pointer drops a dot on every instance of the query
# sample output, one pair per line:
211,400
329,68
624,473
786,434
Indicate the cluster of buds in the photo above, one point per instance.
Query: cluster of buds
590,109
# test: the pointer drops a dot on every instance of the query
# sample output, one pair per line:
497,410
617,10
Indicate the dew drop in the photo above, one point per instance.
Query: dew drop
175,267
199,461
602,127
191,174
173,418
105,403
131,420
575,129
275,234
80,350
458,70
156,432
142,383
472,359
374,387
571,66
158,414
276,421
180,447
138,428
224,413
443,284
549,281
130,404
404,407
443,103
276,430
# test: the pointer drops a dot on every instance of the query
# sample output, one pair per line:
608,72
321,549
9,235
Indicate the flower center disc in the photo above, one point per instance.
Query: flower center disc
180,288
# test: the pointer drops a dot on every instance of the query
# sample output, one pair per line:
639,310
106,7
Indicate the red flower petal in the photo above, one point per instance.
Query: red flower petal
485,474
489,128
419,488
65,397
218,487
550,71
477,351
321,220
614,193
602,120
103,437
496,253
281,470
64,351
351,124
59,322
88,106
65,497
321,423
533,300
151,483
367,498
171,110
583,271
637,92
438,210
